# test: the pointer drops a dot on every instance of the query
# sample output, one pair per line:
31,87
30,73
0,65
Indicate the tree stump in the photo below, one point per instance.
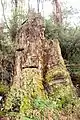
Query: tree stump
39,67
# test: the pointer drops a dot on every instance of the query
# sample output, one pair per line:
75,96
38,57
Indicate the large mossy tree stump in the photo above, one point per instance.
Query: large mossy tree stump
39,68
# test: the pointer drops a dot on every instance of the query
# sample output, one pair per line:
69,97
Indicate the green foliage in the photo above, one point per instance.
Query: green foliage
13,100
25,105
26,118
42,104
53,107
3,88
17,18
68,37
51,30
2,113
57,71
63,95
6,45
50,108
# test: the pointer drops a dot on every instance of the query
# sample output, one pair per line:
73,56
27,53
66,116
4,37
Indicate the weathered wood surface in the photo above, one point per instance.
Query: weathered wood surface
33,50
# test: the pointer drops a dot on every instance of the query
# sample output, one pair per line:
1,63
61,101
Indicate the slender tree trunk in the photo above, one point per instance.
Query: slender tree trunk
15,18
16,3
42,1
38,2
28,6
3,10
58,14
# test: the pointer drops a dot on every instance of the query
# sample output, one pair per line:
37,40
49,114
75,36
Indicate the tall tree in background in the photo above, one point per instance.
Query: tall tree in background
28,6
58,12
38,3
16,7
3,10
14,23
42,2
16,3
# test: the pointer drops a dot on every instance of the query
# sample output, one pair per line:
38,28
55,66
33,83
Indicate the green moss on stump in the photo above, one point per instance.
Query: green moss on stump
52,74
3,88
25,105
2,113
13,99
60,84
63,95
32,82
31,87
